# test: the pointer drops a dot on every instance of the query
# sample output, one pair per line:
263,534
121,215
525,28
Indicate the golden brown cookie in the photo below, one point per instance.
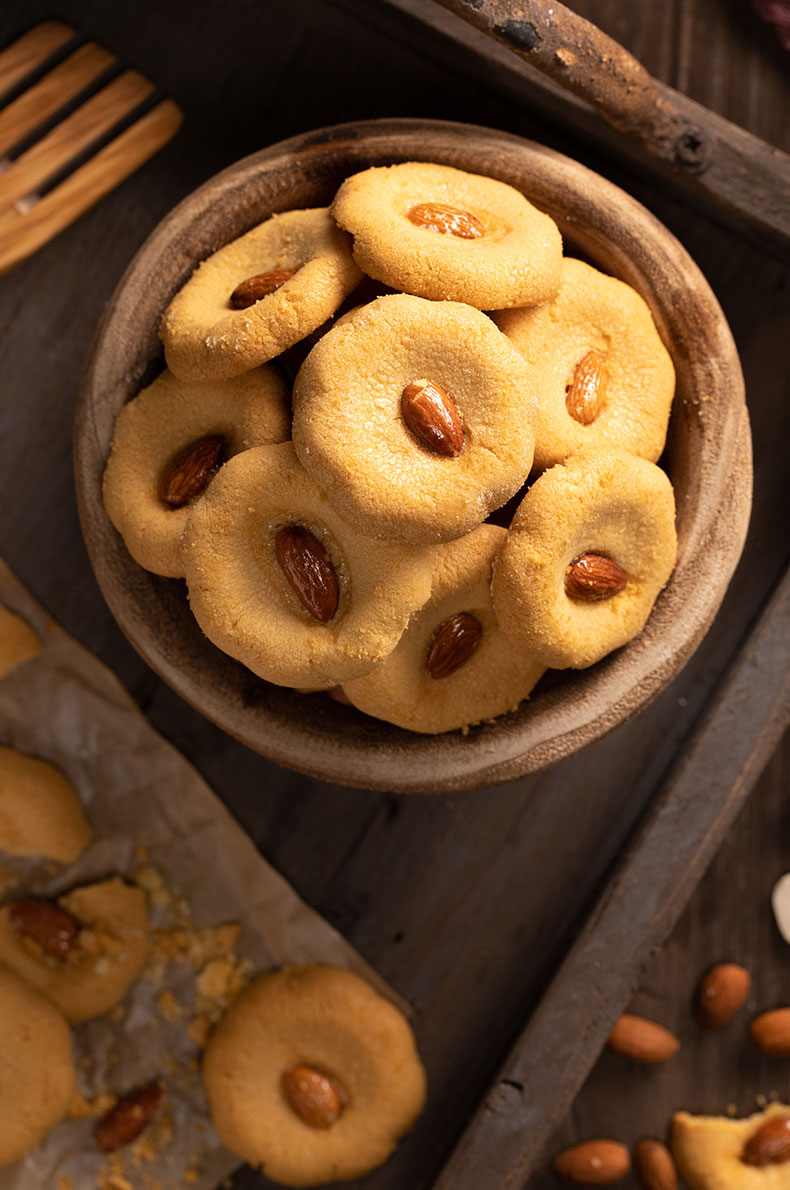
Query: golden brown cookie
718,1153
83,950
453,666
18,641
258,295
37,1071
169,443
263,532
313,1076
592,544
40,812
606,379
444,234
416,418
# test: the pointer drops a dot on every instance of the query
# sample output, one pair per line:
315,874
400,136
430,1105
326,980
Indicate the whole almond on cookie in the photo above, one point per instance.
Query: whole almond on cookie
586,393
770,1032
51,926
642,1040
594,1163
655,1166
722,993
129,1118
452,644
315,1097
446,219
248,292
770,1144
591,578
433,418
189,472
309,570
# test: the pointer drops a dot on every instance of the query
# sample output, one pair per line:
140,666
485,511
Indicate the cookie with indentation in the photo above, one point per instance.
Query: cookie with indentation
313,1076
38,1080
40,812
717,1153
606,379
416,417
281,581
442,233
170,441
258,296
18,641
588,551
83,949
453,666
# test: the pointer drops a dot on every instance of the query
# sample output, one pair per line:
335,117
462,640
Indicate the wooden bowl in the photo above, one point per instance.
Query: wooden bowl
708,458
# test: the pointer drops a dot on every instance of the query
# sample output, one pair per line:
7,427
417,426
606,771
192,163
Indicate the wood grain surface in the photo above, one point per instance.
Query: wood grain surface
467,904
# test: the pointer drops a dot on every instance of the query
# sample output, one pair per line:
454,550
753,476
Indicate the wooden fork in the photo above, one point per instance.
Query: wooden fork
40,191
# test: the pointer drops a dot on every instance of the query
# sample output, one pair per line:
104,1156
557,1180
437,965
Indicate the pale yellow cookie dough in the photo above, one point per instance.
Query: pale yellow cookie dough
110,950
205,338
334,1022
514,262
165,419
37,1079
40,812
495,677
594,312
245,605
18,641
350,433
608,503
708,1149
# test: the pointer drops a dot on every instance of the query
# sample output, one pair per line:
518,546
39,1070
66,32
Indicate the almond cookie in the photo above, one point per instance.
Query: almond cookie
40,812
606,379
592,544
441,233
258,295
18,641
37,1080
417,418
717,1153
81,950
281,581
313,1076
168,444
454,665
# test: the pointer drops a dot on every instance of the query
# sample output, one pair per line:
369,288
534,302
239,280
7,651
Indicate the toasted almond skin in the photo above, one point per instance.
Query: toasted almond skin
186,475
594,1163
586,393
452,644
770,1144
248,292
315,1097
642,1040
723,992
308,568
591,578
131,1115
433,418
47,923
655,1166
770,1032
446,219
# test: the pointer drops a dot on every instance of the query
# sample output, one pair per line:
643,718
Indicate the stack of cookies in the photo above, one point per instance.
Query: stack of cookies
341,532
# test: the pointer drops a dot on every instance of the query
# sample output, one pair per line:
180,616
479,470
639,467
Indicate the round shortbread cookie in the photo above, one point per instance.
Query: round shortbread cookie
37,1079
350,418
245,604
606,379
40,812
156,429
608,504
313,1019
708,1152
207,338
478,672
18,641
445,234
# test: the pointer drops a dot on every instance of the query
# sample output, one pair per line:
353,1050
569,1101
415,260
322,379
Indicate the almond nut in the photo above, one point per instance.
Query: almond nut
591,578
771,1033
186,475
594,1163
453,643
446,219
642,1040
131,1115
586,393
770,1144
307,566
433,418
655,1166
722,993
248,292
315,1097
51,926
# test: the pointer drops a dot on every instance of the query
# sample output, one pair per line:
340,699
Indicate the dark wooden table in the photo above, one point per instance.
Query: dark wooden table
468,903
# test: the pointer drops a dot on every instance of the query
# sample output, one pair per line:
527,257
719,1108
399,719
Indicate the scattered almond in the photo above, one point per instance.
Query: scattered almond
452,644
771,1032
586,393
446,219
315,1097
189,472
770,1144
591,578
780,903
308,568
131,1115
433,418
722,993
248,292
594,1163
51,926
642,1040
655,1166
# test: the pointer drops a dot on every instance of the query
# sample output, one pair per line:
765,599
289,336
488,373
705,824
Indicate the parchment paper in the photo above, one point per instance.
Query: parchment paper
66,707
